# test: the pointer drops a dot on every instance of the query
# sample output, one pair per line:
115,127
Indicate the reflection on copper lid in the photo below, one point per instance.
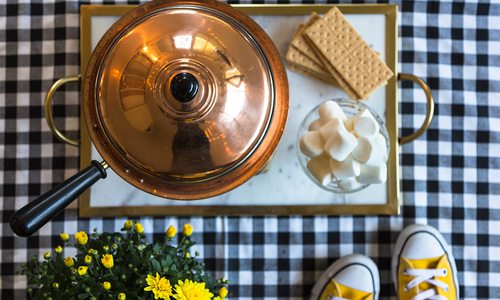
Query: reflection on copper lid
201,138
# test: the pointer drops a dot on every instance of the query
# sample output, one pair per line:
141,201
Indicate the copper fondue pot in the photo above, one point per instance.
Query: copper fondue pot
182,99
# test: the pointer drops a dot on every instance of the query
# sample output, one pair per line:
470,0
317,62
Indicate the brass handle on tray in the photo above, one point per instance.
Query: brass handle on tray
430,108
48,109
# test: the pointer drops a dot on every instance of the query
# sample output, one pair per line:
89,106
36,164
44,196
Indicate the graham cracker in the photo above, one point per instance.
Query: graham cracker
304,64
294,56
321,76
338,78
353,64
300,43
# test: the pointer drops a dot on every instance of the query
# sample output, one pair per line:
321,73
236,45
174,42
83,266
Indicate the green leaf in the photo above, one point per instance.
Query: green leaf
156,265
83,296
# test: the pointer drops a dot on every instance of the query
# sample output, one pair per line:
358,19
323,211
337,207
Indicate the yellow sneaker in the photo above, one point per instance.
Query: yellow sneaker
423,266
353,277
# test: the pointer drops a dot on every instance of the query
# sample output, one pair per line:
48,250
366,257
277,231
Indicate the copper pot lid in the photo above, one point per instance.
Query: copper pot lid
182,91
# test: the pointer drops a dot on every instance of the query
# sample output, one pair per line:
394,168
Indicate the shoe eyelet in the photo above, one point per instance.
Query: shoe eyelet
445,272
405,288
405,272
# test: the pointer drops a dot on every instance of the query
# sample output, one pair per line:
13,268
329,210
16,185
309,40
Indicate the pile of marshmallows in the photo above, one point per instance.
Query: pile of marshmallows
351,151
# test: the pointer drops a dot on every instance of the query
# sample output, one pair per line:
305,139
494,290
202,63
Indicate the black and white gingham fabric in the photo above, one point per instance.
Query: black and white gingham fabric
451,176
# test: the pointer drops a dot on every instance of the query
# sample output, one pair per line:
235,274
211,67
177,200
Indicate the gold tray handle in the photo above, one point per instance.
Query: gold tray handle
48,109
430,107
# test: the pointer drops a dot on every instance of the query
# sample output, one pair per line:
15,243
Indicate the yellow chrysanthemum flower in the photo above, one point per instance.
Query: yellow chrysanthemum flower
171,231
187,230
128,224
69,262
82,270
160,286
47,255
87,259
106,285
58,249
64,236
107,261
223,292
138,228
122,296
81,237
189,290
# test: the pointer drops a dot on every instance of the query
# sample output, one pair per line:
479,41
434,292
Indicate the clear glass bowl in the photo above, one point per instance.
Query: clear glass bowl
351,108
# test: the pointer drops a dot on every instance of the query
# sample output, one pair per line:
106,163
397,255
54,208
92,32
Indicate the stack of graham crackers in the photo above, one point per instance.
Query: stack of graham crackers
329,49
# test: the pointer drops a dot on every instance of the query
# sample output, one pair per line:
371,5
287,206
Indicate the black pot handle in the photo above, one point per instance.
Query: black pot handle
38,212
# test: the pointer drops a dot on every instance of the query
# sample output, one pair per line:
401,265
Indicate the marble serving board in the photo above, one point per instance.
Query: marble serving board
284,189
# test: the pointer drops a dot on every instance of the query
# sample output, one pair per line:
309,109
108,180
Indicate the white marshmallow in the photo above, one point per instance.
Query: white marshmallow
373,174
378,154
349,184
331,110
366,127
349,124
371,151
311,144
363,150
320,169
364,112
340,144
344,169
315,125
330,128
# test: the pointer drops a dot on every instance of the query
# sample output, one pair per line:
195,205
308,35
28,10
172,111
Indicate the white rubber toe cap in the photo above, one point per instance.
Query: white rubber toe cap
422,245
356,276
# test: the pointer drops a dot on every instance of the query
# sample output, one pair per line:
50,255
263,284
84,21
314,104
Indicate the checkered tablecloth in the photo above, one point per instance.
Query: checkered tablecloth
450,176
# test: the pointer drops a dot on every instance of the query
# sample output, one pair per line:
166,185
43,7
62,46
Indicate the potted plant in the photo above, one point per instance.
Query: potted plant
123,266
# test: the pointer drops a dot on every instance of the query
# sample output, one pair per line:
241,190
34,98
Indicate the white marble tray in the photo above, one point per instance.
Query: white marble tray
284,189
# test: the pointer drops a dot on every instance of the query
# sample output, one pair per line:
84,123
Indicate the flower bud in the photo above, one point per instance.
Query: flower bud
187,230
88,259
223,292
69,262
64,236
128,224
171,231
138,228
81,237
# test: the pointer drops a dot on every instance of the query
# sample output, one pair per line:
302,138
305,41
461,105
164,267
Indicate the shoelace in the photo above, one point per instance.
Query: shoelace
335,298
426,275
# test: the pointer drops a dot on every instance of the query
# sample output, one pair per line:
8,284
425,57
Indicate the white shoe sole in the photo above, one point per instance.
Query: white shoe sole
340,264
403,237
